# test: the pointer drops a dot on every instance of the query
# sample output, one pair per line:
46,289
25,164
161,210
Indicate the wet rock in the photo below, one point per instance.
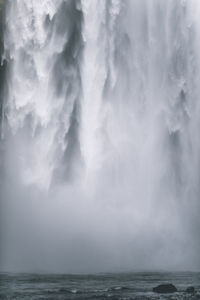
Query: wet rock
190,290
165,289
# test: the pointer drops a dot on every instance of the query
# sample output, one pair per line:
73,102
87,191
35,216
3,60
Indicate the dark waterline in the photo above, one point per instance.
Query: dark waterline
98,286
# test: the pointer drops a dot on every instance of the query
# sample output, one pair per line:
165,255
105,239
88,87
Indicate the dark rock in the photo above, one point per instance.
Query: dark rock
190,290
165,289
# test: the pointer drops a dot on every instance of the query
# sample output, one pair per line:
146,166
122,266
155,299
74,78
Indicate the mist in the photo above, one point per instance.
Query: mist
100,149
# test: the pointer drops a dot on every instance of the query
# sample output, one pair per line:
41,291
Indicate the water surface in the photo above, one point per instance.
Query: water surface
100,286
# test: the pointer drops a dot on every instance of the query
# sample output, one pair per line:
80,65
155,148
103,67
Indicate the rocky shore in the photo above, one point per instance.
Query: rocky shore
170,288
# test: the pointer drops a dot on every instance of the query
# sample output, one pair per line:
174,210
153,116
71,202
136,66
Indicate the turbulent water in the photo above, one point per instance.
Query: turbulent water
137,286
100,148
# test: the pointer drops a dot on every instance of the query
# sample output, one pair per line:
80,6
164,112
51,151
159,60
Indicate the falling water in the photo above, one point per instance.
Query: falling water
100,135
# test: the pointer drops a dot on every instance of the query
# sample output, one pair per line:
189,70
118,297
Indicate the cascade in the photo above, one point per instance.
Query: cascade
100,118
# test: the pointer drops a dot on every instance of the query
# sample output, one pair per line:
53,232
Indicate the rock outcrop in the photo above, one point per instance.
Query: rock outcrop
165,289
190,290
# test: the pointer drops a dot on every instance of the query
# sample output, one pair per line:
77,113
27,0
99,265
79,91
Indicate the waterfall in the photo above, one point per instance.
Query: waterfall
100,134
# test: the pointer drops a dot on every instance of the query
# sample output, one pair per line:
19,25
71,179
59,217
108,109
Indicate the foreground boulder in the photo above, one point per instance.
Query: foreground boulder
190,290
165,289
